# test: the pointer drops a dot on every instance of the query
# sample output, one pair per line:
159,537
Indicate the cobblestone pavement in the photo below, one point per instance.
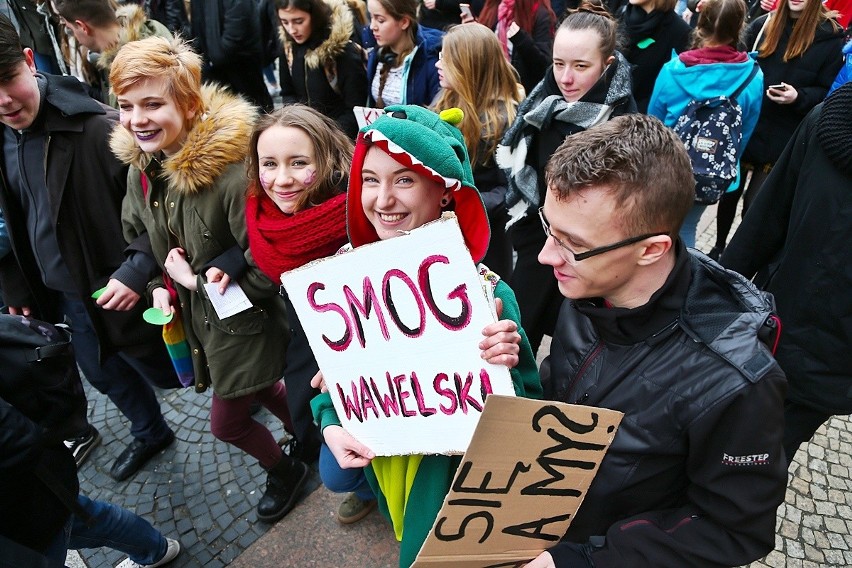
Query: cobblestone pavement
199,490
204,492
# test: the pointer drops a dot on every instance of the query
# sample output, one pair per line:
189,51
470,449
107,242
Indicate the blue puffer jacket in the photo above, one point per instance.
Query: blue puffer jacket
419,73
845,73
678,84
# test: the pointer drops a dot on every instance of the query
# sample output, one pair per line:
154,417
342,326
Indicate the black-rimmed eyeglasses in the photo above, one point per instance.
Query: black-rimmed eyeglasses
578,256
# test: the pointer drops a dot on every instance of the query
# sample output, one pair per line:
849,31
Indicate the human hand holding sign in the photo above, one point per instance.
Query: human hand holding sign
501,345
543,560
349,452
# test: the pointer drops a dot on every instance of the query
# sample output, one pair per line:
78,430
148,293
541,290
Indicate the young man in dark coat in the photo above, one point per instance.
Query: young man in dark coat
795,238
61,190
695,472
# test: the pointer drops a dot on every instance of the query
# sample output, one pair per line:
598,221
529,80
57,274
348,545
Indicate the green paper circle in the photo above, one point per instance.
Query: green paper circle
97,293
155,316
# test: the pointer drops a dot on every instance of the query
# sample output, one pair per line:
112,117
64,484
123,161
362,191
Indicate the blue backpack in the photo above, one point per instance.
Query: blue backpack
712,130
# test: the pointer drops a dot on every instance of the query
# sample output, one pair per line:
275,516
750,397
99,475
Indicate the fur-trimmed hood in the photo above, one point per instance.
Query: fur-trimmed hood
342,26
135,25
220,138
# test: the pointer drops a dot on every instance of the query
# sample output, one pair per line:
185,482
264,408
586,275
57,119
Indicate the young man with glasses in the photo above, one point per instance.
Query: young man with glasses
696,470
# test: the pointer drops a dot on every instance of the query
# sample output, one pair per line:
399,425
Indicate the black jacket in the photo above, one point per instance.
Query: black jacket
227,34
647,59
796,238
328,56
87,185
446,13
170,13
696,470
532,53
40,403
811,74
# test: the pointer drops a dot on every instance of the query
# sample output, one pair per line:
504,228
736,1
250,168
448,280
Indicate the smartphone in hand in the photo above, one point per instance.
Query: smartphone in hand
778,87
465,11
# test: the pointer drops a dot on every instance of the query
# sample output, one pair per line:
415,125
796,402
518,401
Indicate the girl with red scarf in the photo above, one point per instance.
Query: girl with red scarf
296,213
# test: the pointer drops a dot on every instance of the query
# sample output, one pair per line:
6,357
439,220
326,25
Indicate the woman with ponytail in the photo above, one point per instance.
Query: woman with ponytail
589,83
799,47
401,70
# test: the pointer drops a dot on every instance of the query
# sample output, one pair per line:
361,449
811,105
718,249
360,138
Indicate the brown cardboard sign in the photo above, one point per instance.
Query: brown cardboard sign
520,482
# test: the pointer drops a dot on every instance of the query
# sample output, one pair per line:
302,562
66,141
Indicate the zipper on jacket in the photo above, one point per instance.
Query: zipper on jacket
584,366
305,77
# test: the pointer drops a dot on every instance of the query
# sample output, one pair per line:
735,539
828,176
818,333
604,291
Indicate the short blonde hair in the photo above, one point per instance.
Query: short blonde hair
159,58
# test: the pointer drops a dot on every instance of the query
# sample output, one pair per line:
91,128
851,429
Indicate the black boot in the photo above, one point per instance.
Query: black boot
716,252
284,482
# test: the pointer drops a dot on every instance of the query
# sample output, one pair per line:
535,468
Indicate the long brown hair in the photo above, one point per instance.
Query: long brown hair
804,29
396,9
485,87
332,151
524,14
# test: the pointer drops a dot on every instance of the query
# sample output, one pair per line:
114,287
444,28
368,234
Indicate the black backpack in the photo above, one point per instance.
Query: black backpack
39,376
712,130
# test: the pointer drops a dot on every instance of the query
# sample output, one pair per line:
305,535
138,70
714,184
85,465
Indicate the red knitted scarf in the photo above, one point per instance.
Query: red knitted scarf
281,242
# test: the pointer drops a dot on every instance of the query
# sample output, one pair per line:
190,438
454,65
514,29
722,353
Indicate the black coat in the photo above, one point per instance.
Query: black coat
86,185
811,74
227,34
170,13
446,13
672,33
796,238
696,470
331,54
40,403
532,53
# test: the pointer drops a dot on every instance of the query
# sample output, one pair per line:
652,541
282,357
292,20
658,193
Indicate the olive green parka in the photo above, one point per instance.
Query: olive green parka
196,201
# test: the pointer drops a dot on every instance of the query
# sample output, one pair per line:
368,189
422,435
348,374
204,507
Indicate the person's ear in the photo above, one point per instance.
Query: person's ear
29,58
190,113
405,22
655,248
87,30
609,60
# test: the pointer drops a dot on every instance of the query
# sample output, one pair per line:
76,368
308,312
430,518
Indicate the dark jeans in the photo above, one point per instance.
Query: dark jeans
124,379
113,527
800,423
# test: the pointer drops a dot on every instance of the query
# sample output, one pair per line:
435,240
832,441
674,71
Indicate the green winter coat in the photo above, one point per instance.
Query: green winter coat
435,472
196,201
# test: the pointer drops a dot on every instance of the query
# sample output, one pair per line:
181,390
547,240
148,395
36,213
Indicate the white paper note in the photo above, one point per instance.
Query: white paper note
232,302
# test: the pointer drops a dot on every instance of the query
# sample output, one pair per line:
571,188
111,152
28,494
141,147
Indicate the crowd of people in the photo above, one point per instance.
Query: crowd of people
152,159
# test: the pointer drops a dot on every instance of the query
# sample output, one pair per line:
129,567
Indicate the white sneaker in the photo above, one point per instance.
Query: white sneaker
172,550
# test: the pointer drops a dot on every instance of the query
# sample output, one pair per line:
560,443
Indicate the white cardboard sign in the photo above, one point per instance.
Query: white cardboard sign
366,115
395,327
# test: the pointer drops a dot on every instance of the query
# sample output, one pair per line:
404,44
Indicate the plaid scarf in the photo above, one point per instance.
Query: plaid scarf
536,113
